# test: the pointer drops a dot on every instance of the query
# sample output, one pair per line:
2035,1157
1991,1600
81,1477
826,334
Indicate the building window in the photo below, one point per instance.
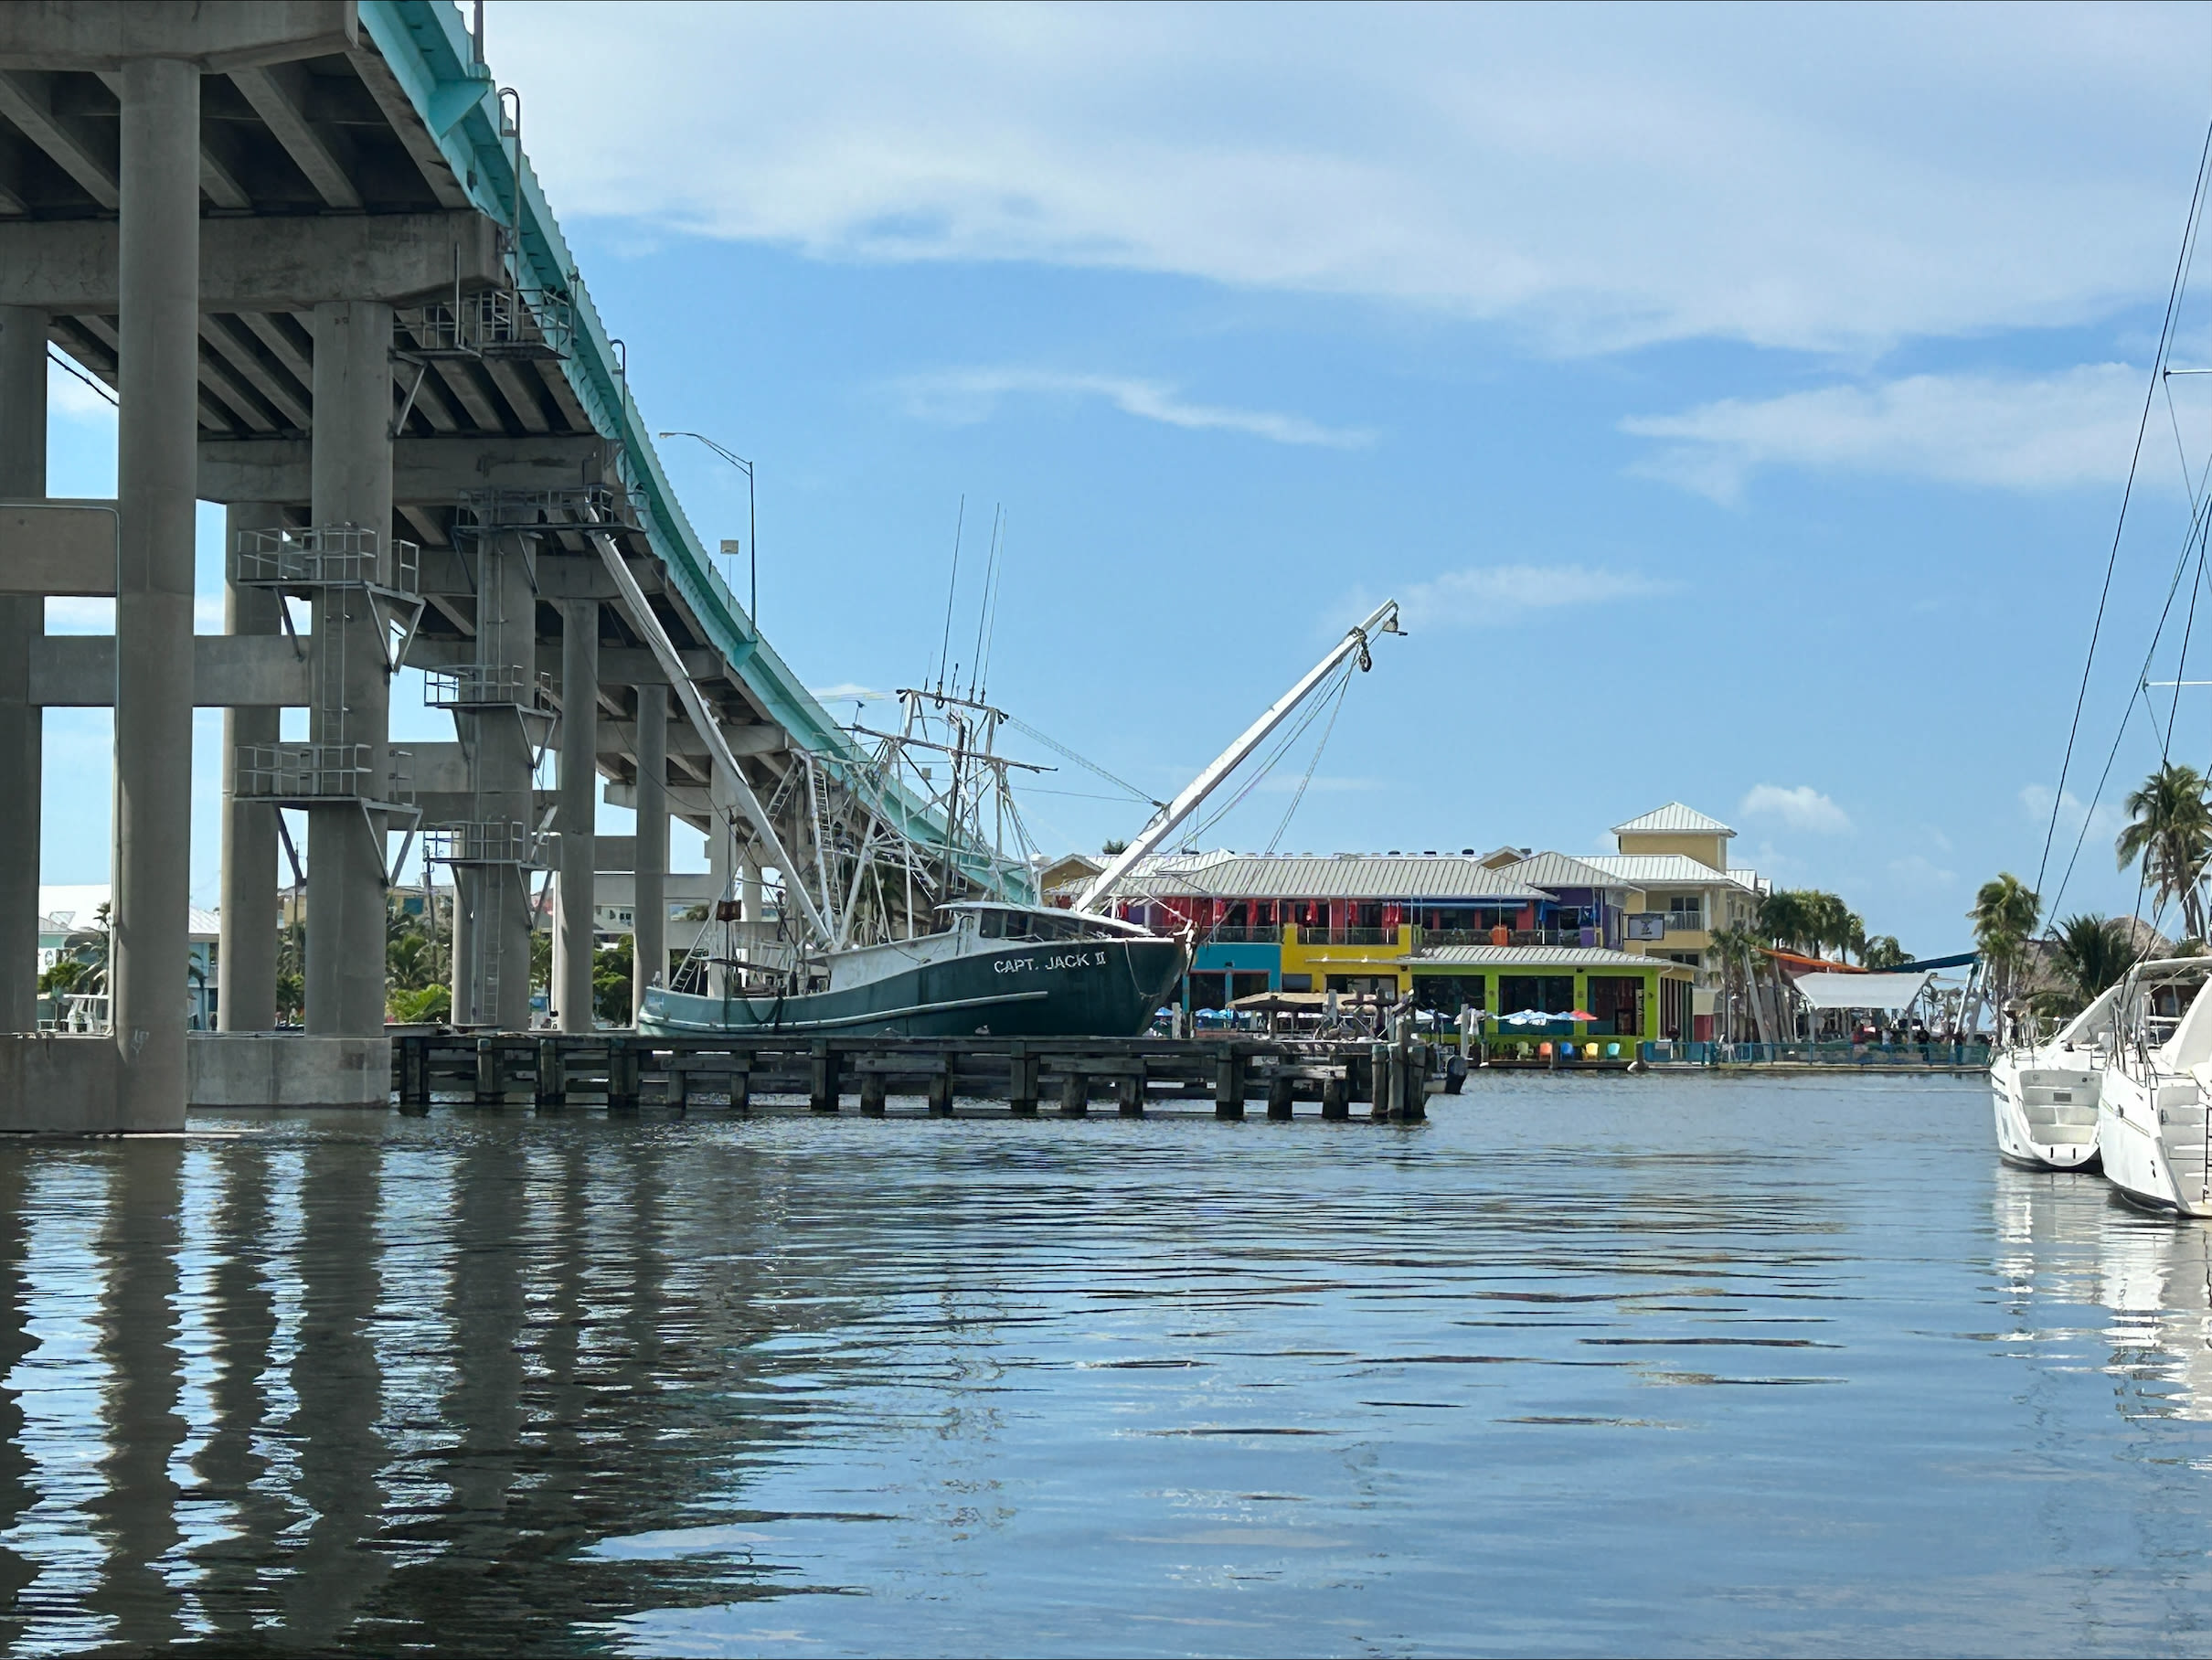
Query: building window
1448,994
1546,993
1617,1000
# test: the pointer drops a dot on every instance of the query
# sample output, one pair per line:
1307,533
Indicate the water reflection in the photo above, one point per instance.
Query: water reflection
554,1384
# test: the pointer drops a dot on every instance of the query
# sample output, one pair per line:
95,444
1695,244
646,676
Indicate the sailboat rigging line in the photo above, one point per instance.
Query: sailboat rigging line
1342,689
945,648
1089,766
2198,526
2166,340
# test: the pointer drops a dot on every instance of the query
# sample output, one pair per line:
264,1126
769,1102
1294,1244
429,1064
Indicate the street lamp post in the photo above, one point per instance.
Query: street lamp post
752,549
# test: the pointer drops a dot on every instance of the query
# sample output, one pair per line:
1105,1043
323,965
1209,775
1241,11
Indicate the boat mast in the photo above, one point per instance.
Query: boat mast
1383,621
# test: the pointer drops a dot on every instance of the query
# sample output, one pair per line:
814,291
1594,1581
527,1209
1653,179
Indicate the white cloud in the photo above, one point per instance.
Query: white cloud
1801,807
2045,433
848,691
963,396
1807,177
2104,824
1493,593
79,616
1918,871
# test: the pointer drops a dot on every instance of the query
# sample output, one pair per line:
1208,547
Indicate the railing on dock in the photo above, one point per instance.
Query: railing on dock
1936,1057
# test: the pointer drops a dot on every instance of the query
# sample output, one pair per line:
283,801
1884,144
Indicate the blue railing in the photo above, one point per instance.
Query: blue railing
1934,1055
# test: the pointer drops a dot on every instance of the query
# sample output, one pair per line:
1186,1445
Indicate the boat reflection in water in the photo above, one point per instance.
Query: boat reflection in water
2071,1243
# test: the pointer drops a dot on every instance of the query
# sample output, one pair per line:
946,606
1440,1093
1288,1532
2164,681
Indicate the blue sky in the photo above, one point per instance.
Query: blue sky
1738,400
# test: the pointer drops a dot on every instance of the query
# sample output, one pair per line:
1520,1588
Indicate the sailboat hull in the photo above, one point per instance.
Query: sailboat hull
1083,988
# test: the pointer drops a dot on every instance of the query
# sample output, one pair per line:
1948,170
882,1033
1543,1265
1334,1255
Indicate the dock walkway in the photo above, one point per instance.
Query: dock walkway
626,1070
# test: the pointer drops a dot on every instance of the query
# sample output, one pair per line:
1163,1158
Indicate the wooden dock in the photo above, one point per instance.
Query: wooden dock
1381,1083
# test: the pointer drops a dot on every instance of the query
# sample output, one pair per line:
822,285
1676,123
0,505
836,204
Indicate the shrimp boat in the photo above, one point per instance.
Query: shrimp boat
2151,1124
929,924
2045,1094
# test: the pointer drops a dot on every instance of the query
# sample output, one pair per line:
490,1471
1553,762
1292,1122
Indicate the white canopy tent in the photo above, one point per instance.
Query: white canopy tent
1863,991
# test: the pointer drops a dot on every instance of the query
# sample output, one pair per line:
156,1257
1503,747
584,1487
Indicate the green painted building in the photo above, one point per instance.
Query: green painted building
1642,998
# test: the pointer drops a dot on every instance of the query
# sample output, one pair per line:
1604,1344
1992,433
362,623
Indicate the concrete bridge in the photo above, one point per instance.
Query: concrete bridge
303,243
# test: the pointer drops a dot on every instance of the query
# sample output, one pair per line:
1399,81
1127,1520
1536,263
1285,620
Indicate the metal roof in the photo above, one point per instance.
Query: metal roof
1673,818
1662,871
1255,875
1563,871
1541,956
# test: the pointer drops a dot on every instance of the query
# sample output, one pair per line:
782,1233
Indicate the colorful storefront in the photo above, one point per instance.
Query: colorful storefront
1626,997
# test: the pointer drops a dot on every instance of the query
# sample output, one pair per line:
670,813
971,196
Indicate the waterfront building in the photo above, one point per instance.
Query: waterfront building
1677,859
1448,929
1512,930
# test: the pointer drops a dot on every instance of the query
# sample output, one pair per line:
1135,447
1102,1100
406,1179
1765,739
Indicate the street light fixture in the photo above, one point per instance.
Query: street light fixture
752,549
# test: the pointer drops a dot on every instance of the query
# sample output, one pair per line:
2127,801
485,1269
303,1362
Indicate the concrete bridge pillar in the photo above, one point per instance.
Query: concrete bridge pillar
247,951
158,330
22,478
649,911
579,806
350,475
497,742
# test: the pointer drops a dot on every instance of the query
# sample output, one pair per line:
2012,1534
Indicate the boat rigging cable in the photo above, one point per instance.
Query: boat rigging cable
2165,341
1311,713
944,645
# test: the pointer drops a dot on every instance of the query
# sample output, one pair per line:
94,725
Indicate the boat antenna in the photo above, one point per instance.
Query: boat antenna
1000,583
982,607
944,645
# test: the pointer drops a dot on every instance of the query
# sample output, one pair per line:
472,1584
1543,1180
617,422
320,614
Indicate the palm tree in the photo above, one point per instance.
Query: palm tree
1882,951
2003,915
1782,918
2170,830
2090,953
1740,955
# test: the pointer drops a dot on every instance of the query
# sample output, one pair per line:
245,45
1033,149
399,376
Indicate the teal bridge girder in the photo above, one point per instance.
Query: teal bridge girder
431,54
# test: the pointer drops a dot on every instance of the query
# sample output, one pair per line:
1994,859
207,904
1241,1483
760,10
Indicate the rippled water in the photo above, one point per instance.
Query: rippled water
1586,1365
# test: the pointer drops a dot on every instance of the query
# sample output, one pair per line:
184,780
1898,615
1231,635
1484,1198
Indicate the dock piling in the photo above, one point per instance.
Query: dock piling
552,1075
827,1064
871,1094
1021,1082
1075,1095
1229,1084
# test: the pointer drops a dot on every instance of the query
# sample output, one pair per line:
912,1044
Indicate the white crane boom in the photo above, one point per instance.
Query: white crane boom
1383,621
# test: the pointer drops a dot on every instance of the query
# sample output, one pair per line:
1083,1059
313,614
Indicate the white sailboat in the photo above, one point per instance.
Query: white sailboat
2152,1131
2045,1093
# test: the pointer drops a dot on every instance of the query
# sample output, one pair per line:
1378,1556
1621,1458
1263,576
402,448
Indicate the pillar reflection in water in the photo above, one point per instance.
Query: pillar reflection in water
134,1516
232,1462
16,1493
336,1382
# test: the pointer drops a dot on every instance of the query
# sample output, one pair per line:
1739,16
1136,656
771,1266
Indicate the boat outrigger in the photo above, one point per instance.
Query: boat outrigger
942,932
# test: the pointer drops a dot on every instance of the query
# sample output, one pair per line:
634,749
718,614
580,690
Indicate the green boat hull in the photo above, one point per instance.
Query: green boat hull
1084,988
